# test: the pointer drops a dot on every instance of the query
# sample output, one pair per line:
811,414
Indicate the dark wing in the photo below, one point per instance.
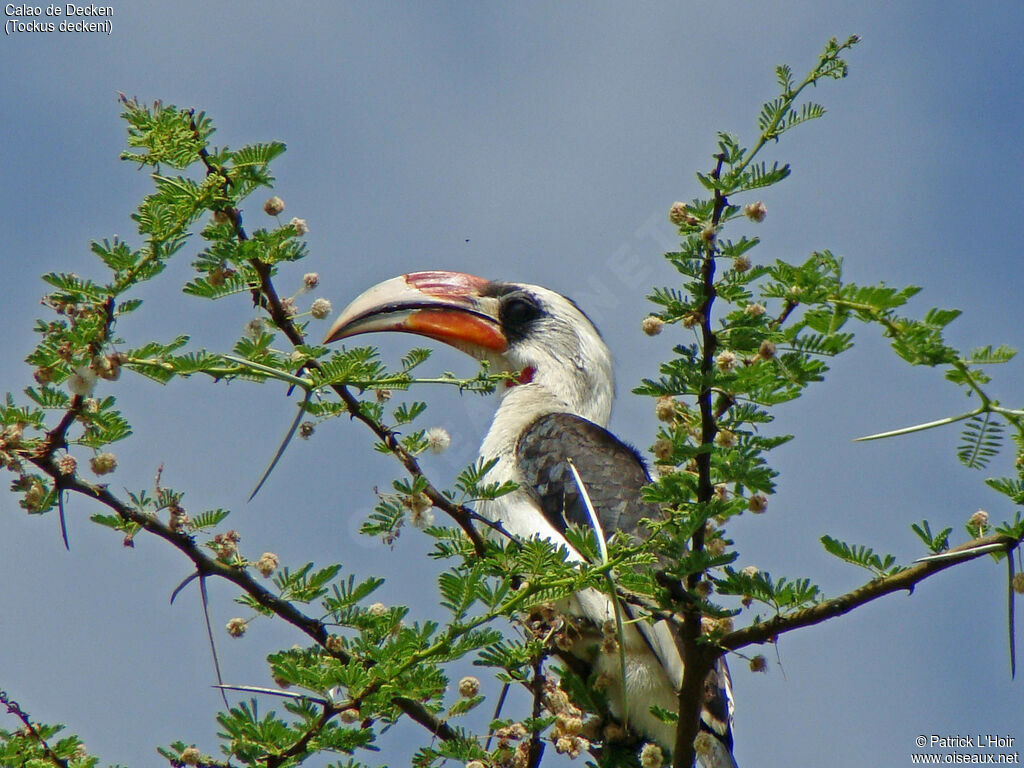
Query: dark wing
612,472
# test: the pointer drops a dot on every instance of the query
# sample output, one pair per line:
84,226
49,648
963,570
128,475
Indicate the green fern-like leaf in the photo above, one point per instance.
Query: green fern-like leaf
209,519
981,439
990,355
935,542
1012,487
862,556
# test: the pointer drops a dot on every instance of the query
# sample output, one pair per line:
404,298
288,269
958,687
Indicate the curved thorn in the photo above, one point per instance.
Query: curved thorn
497,712
272,692
602,546
963,554
63,521
922,427
209,633
273,373
284,444
1010,618
185,583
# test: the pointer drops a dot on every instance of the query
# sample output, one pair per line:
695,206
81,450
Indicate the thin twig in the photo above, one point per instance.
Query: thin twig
15,709
767,631
536,749
208,566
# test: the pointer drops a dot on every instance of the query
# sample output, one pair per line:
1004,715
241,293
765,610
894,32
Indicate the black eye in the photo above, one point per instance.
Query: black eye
517,312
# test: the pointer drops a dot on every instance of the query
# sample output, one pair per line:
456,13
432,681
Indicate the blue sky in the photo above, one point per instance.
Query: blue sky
544,143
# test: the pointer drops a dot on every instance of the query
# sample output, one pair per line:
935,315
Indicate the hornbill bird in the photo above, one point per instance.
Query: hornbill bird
556,410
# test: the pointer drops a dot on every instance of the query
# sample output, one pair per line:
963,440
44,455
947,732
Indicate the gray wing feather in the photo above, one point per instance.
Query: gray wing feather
613,474
611,470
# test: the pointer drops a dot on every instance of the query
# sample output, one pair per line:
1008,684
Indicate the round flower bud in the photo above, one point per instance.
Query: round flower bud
103,463
665,408
190,756
334,644
663,449
758,503
438,439
754,310
107,367
651,756
767,350
267,564
469,687
759,664
67,464
978,520
1018,583
321,308
273,206
715,547
35,495
82,381
377,609
306,429
725,438
652,325
691,319
750,571
755,211
741,264
310,280
568,725
237,627
255,327
726,361
704,744
708,234
420,514
678,214
300,226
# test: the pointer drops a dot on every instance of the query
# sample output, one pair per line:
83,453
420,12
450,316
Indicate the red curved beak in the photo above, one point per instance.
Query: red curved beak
447,306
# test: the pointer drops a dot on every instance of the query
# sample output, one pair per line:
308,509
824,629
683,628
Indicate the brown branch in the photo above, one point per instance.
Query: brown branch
206,565
265,295
696,663
767,631
15,709
462,515
56,438
536,749
299,748
787,309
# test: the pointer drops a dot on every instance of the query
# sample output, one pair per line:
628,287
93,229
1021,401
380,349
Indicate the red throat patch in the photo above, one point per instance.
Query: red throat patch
525,377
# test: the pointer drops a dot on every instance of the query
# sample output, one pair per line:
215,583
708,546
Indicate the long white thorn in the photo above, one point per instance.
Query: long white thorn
602,547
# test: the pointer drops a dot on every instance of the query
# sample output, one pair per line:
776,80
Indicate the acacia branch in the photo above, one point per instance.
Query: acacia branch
301,746
907,579
462,515
15,709
209,566
265,295
536,748
696,662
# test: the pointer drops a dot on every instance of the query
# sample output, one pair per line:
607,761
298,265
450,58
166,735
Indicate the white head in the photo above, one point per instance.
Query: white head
527,329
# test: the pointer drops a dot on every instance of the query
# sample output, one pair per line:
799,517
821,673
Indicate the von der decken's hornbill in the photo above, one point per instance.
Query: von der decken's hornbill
557,411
